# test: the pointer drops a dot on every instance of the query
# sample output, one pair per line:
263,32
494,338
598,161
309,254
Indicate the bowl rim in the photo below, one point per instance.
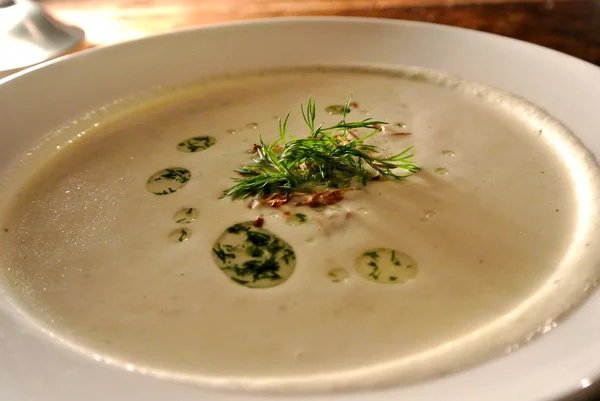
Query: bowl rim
567,391
282,20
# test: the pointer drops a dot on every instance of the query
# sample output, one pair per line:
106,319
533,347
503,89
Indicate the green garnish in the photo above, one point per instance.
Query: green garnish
184,235
168,180
186,215
180,175
341,109
296,219
196,144
375,273
372,254
221,254
386,266
238,228
329,158
179,235
301,217
253,256
394,259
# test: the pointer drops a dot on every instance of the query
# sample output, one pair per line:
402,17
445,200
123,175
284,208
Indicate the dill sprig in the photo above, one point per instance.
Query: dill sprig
331,157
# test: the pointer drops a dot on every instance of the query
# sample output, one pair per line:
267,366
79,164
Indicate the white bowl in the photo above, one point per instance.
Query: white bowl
34,366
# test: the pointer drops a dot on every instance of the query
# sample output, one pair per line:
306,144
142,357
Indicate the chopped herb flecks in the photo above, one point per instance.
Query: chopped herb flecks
196,144
296,219
238,228
338,275
253,256
394,259
186,215
372,254
179,235
223,254
167,181
183,236
383,265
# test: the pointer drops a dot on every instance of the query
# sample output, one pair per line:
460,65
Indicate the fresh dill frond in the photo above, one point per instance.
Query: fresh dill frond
331,157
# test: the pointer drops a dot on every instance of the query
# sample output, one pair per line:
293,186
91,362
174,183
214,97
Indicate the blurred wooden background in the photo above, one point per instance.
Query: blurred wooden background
109,21
571,26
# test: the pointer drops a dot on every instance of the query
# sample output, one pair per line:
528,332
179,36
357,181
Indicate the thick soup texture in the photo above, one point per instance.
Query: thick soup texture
122,243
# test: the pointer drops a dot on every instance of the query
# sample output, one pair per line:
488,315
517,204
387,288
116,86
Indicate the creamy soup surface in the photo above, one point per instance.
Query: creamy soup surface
488,229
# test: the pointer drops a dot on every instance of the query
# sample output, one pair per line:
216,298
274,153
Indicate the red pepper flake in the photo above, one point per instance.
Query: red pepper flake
323,198
277,200
254,149
332,197
354,105
259,221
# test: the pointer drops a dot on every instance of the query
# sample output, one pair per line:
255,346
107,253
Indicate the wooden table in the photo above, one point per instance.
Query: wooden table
570,26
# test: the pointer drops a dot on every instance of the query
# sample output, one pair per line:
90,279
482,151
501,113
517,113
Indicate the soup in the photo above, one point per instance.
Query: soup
120,240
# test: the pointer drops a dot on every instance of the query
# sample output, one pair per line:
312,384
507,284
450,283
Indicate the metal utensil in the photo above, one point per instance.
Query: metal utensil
29,35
